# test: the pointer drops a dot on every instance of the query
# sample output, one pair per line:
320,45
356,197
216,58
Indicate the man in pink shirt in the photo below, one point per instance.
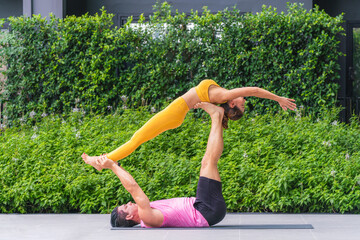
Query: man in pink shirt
208,208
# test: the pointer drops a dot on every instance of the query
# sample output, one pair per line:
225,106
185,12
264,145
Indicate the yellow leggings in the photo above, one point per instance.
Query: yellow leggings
169,118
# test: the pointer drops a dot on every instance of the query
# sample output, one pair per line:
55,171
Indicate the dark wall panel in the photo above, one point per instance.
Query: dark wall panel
76,7
351,8
11,8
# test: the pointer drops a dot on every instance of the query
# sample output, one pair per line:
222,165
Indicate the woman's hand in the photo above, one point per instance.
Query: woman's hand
105,163
287,103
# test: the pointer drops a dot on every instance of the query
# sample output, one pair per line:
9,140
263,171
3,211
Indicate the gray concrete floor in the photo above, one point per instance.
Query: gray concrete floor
97,226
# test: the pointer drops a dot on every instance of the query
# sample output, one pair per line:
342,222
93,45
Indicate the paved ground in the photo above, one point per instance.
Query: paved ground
87,227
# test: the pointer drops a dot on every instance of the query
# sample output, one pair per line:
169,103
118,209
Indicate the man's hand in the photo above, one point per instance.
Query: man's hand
287,103
105,162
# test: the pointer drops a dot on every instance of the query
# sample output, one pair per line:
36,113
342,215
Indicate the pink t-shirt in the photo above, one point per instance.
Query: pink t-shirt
179,212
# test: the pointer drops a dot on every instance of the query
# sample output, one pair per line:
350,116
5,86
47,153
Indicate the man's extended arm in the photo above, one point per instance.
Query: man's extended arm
151,217
127,181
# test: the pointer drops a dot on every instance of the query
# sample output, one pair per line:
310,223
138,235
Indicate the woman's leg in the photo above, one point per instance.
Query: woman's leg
169,118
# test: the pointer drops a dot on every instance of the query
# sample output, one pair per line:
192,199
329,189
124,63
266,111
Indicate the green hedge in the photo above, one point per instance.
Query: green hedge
58,65
54,64
270,163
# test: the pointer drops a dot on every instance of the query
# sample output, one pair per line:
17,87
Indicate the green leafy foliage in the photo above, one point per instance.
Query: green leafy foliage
270,163
54,64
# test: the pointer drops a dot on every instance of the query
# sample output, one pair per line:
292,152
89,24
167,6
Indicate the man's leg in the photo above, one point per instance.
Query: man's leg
215,143
209,199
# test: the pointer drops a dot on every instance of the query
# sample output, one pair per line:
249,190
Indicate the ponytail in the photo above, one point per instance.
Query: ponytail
225,121
230,113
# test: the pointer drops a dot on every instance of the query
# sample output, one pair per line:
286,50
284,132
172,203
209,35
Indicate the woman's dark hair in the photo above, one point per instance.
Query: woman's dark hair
230,113
118,219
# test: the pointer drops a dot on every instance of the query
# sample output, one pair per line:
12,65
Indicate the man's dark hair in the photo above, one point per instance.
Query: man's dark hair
118,219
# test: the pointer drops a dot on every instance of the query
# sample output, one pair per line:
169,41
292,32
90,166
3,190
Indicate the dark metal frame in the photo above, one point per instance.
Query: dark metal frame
350,102
122,19
349,54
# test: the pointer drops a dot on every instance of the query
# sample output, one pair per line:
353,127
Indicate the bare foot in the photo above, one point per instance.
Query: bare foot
91,161
211,109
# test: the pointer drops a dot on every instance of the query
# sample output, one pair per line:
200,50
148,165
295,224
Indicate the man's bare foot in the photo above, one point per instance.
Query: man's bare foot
211,109
91,161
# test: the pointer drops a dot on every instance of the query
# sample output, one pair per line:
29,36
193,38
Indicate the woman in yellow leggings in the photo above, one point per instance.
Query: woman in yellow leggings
173,115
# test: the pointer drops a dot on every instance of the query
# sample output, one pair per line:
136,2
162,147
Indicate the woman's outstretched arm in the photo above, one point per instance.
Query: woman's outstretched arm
219,95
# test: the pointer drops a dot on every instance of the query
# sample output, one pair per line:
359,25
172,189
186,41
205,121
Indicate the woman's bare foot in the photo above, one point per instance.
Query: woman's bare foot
91,161
211,109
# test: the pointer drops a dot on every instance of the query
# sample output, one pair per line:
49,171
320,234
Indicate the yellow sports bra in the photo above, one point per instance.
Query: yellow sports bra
202,90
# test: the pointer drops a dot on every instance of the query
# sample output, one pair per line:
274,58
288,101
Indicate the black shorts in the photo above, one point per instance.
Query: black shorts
210,201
